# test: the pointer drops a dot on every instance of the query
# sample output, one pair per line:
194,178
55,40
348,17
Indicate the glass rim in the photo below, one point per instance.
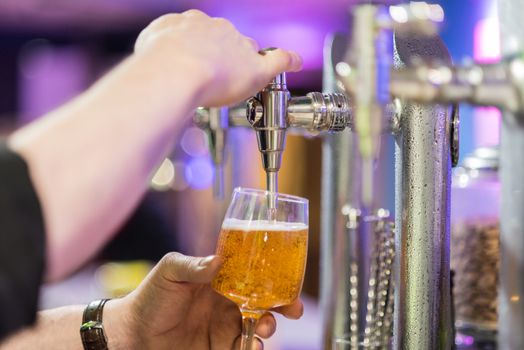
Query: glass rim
280,196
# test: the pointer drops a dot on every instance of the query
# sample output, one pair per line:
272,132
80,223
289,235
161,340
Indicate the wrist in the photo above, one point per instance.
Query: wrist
118,325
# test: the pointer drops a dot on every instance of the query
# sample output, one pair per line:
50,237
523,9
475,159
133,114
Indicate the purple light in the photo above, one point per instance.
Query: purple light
300,26
487,126
486,40
462,339
300,37
49,77
486,49
199,173
193,142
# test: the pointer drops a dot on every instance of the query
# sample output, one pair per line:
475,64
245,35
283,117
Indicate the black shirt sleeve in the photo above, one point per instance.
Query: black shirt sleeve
22,244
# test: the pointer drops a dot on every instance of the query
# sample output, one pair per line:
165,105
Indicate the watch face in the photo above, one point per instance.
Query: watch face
92,333
91,325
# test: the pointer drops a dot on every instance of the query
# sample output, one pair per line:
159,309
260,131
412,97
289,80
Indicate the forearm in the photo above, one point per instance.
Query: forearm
59,329
55,329
91,160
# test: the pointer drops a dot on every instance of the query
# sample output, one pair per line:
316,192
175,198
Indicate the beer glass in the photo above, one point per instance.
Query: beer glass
263,252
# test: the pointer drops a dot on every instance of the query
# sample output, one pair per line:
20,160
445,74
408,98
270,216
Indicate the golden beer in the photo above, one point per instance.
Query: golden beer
263,262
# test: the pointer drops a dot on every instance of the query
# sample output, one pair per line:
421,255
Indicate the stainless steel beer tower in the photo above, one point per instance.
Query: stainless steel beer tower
511,290
423,168
340,188
502,85
422,288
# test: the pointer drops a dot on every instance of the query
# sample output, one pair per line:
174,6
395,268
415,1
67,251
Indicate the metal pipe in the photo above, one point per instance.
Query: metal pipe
511,290
492,85
312,113
237,116
317,112
340,187
423,166
366,79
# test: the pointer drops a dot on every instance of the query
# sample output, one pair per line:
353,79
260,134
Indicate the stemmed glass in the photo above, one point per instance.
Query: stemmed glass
264,254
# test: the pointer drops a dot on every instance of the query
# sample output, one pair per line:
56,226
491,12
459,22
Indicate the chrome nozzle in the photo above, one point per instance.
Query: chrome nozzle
267,114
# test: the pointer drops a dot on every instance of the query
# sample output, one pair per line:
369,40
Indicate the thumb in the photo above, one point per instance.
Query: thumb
176,267
280,60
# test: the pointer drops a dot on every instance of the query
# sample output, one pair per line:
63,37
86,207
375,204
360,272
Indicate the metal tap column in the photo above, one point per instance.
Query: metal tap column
214,122
511,289
340,186
216,136
423,166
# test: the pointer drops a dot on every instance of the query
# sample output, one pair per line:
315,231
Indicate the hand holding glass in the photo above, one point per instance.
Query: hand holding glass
264,254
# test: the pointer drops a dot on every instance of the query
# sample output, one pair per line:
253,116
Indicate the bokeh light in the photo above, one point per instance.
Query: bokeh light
164,176
199,173
193,142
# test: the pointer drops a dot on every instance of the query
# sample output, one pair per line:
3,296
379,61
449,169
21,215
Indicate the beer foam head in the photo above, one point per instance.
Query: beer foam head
262,225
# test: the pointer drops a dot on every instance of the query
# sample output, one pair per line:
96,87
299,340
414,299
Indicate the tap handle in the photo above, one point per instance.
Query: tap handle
278,82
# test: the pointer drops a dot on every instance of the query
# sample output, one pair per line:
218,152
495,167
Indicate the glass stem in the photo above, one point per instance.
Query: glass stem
249,323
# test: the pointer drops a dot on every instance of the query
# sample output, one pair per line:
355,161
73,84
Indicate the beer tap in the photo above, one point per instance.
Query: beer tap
500,84
426,135
273,111
365,72
214,122
422,178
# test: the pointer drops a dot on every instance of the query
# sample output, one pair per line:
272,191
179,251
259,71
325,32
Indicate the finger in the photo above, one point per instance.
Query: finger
279,60
267,325
298,62
293,311
257,343
177,267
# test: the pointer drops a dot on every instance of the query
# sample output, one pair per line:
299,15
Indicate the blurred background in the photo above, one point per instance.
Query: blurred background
51,50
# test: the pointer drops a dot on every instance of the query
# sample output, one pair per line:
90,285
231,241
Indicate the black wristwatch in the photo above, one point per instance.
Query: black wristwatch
92,329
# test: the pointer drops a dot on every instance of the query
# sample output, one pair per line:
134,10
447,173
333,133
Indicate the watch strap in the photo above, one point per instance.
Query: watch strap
92,329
